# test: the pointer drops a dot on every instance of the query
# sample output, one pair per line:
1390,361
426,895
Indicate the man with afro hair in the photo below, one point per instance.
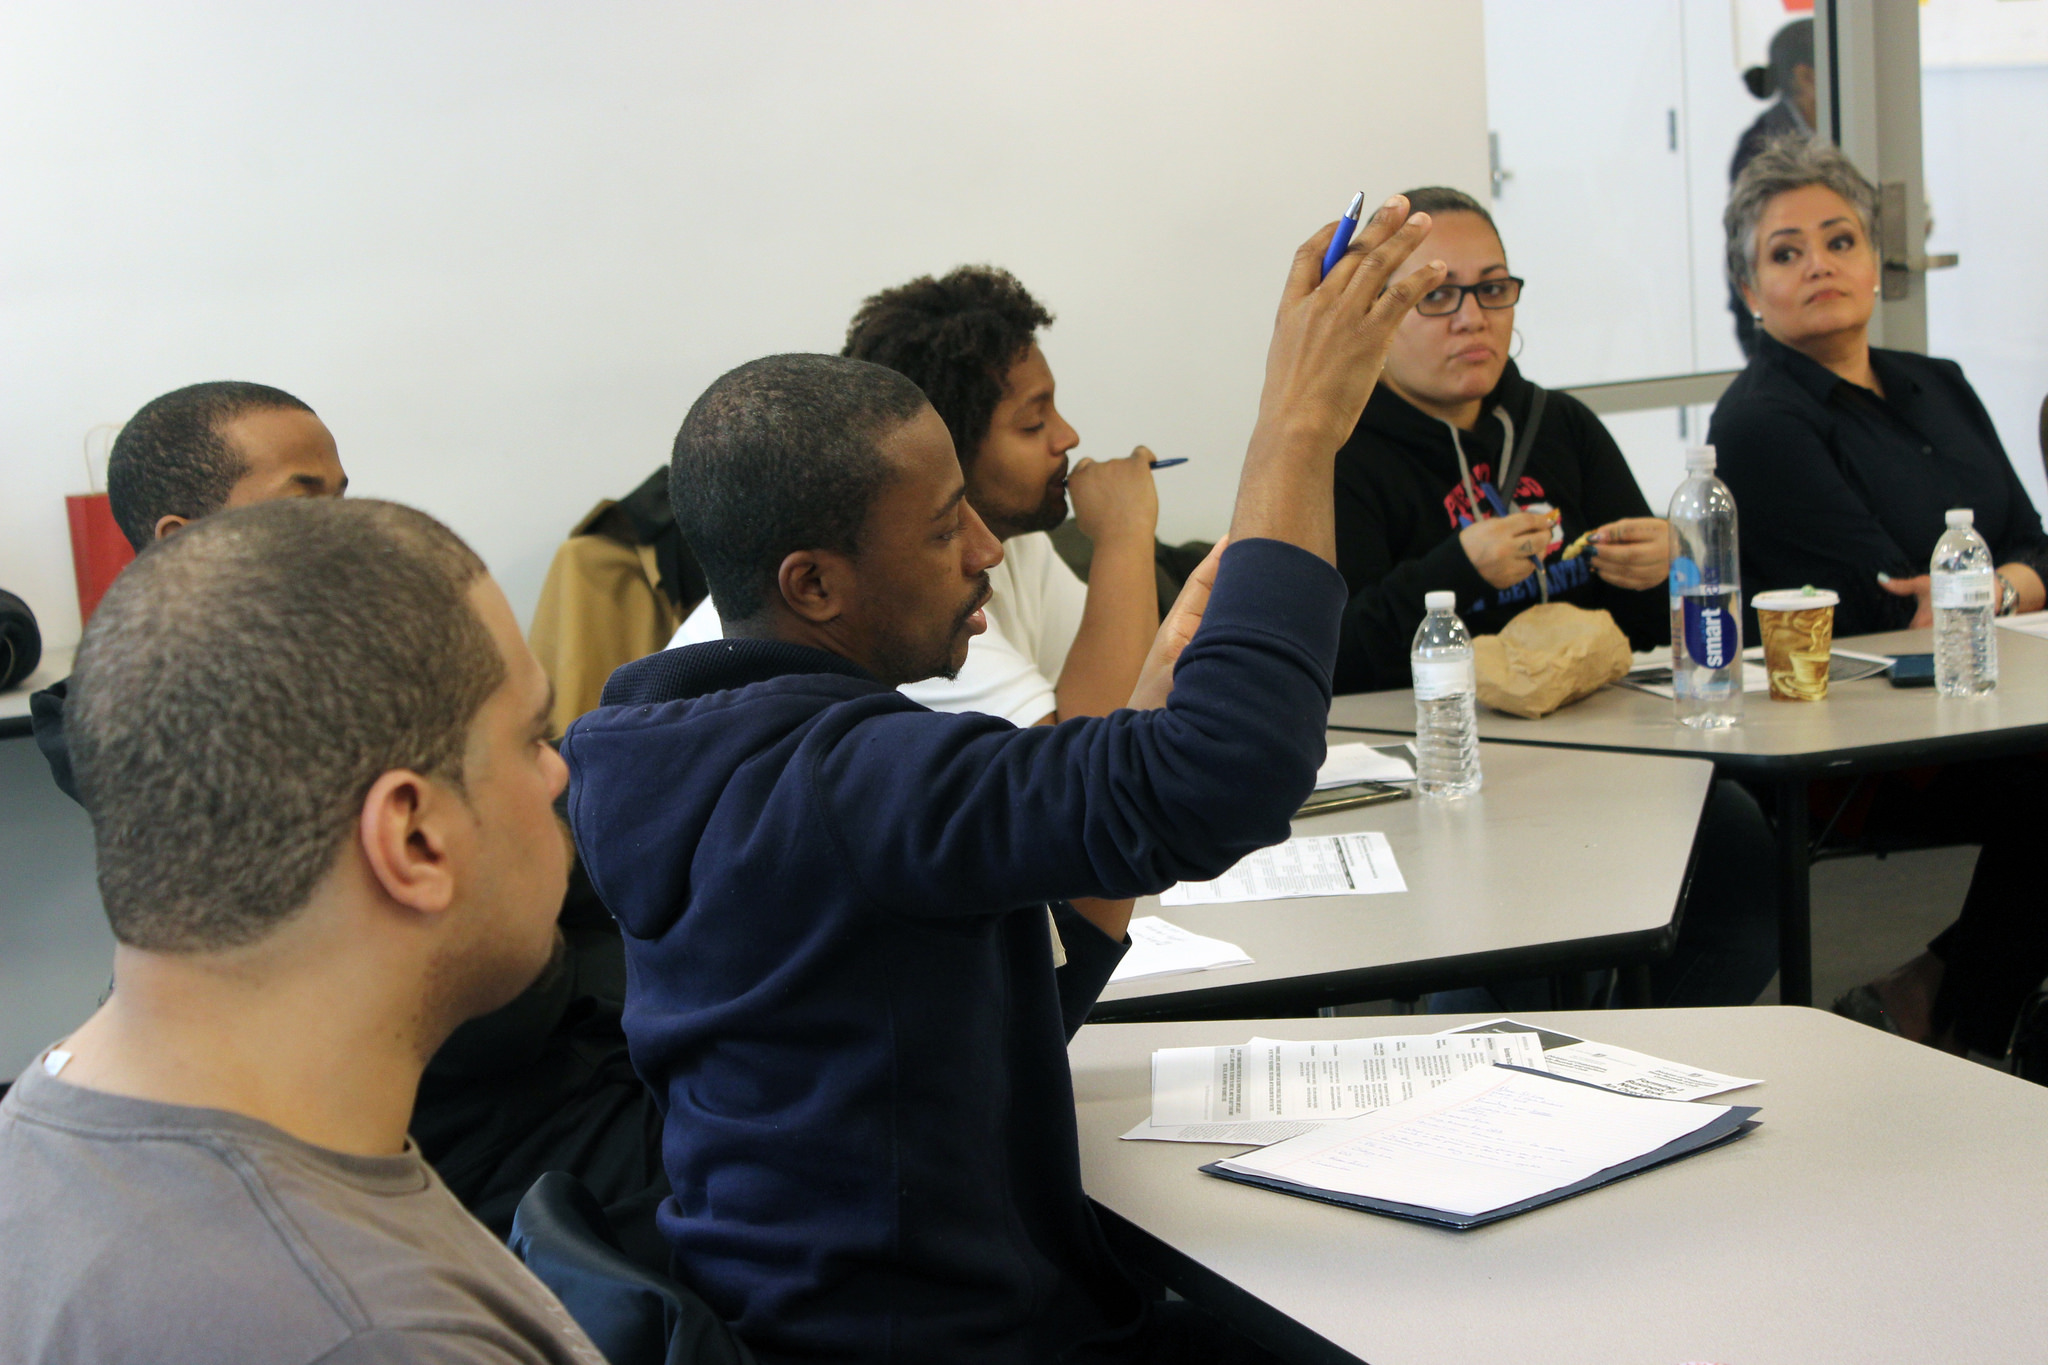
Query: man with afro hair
1055,648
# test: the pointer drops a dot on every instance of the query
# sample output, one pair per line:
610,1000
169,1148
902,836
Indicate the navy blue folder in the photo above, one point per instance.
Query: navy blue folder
1739,1121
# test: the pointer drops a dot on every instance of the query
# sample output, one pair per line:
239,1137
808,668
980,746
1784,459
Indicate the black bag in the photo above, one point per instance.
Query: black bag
21,644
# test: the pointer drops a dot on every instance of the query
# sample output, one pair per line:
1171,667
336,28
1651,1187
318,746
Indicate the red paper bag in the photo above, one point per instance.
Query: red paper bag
98,549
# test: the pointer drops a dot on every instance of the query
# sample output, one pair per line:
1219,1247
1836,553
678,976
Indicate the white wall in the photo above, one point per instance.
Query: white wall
1985,145
500,247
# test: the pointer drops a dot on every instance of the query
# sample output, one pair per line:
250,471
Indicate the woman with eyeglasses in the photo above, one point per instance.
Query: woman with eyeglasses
1463,476
1843,458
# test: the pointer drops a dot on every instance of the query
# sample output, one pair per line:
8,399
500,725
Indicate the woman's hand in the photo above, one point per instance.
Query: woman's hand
1921,587
2033,593
1505,549
1634,552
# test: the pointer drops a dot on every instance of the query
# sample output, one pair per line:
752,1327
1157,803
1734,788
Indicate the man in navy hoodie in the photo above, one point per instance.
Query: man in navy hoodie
841,978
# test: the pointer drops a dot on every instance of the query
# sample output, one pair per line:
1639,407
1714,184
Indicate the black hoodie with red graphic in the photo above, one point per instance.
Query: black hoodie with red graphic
1401,502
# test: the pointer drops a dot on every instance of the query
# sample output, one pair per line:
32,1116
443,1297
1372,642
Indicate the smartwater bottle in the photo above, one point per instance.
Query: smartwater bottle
1965,597
1706,598
1446,706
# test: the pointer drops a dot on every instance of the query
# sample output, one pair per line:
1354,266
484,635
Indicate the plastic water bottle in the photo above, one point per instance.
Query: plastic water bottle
1706,598
1965,599
1446,702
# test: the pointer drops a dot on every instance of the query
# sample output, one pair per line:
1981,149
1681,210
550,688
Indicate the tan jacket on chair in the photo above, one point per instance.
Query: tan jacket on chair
601,606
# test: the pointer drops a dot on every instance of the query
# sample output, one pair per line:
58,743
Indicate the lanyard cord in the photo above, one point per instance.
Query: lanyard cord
1507,445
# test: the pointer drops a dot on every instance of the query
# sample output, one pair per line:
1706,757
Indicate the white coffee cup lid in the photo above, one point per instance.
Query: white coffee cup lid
1795,599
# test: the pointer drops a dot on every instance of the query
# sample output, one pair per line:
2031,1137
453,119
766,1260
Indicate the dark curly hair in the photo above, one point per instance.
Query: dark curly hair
956,338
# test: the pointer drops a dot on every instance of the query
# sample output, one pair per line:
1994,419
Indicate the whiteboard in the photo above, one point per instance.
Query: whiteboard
501,247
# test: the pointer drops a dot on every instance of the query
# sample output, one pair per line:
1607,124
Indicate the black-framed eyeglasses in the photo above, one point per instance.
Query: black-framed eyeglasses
1502,291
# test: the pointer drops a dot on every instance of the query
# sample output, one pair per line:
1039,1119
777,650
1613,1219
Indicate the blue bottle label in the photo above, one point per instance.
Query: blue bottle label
1710,633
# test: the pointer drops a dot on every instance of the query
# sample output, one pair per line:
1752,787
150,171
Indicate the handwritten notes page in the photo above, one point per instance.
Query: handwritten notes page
1482,1141
1162,949
1321,865
1266,1090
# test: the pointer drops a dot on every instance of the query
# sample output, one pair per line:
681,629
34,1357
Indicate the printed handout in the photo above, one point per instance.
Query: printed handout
1320,865
1268,1089
1615,1068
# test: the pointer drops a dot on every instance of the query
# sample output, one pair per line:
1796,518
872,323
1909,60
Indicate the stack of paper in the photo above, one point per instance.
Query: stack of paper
1162,949
1266,1090
1344,764
1651,672
2026,622
1489,1144
1321,865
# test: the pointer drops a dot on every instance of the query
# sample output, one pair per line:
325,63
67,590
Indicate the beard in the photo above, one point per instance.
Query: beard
1049,513
906,661
1044,515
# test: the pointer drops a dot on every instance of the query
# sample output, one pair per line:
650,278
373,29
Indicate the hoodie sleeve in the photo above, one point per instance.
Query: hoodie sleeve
940,815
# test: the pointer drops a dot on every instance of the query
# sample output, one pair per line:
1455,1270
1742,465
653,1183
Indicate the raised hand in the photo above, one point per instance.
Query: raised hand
1329,343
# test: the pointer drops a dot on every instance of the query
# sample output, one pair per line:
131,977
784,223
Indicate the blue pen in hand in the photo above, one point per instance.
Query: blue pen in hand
1347,225
1168,464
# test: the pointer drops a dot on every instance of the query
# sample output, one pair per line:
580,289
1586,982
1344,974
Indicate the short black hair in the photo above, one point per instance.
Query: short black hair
171,459
781,455
956,337
242,685
1436,200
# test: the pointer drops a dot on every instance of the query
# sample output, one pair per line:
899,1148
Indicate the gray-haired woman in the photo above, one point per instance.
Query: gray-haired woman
1842,458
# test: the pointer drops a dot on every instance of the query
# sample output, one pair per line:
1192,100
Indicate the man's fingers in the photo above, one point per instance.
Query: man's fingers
1384,223
1906,587
1393,304
1378,262
1306,271
1204,576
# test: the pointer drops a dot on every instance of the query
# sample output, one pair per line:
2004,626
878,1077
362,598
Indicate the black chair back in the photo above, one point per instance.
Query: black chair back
632,1315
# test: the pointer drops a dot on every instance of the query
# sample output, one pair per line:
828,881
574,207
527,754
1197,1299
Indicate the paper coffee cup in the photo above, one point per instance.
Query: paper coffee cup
1798,630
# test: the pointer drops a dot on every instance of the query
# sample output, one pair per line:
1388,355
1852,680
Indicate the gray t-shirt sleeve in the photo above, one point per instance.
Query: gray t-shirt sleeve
400,1346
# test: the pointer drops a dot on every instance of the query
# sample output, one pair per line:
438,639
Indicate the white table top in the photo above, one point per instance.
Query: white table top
1558,848
1860,725
55,665
1886,1210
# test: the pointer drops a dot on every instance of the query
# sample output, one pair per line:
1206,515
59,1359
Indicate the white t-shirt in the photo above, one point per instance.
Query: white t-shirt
1011,667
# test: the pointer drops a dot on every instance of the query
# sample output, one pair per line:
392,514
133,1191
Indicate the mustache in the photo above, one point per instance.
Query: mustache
980,600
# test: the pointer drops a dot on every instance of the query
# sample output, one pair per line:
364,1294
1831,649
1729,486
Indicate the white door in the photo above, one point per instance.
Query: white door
1586,102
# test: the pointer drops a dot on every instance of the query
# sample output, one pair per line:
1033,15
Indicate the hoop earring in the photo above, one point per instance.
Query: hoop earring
1515,342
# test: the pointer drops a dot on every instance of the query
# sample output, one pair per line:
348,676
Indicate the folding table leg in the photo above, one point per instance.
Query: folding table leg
1795,903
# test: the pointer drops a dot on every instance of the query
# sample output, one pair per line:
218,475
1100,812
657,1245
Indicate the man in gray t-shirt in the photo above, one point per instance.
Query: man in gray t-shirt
313,746
175,1233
